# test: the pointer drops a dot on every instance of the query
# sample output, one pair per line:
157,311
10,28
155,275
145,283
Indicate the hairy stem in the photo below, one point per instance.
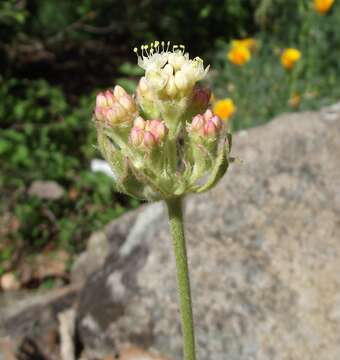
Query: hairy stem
177,233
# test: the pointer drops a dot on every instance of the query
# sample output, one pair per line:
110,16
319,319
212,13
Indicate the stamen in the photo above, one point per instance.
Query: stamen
146,50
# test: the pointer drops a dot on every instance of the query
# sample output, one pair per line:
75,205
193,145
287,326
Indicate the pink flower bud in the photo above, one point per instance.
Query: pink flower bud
98,113
118,92
115,107
208,114
127,103
158,129
136,136
217,122
101,100
149,141
110,99
201,97
162,131
111,115
139,123
210,129
197,123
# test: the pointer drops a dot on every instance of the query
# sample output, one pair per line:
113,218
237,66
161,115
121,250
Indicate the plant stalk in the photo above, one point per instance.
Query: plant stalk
178,239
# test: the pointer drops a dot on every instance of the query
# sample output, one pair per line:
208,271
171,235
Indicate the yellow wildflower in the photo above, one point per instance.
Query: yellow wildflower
295,100
249,43
323,6
239,55
289,57
224,108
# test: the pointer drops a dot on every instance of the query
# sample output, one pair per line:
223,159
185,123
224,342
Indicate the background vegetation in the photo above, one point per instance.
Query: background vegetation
56,54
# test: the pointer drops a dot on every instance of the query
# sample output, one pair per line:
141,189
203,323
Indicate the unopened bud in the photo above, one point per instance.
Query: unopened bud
110,99
149,140
98,112
158,129
208,115
118,92
127,103
197,123
210,128
139,123
101,100
115,107
136,136
181,80
217,122
111,115
170,88
201,97
143,86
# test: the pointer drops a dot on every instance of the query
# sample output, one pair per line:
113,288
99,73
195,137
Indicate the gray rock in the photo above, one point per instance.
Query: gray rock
46,190
29,321
264,250
90,260
100,245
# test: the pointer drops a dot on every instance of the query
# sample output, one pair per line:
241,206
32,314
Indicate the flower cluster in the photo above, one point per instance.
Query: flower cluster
164,141
146,134
115,107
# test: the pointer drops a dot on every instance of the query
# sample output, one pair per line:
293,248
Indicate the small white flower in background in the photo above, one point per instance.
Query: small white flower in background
102,166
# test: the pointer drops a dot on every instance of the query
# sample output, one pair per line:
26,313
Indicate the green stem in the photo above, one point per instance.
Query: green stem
177,233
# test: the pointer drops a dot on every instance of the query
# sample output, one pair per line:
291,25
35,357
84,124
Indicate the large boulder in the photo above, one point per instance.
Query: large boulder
264,253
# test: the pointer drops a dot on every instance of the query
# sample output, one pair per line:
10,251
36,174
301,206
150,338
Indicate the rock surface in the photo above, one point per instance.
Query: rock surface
264,249
46,190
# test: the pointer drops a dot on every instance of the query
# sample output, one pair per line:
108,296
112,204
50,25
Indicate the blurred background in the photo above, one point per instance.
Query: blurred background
266,57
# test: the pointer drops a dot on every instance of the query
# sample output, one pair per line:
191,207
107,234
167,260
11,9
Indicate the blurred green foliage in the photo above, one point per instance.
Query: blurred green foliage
55,54
43,137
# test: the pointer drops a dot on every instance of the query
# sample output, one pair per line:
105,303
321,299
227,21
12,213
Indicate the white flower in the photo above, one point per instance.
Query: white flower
177,59
170,72
194,70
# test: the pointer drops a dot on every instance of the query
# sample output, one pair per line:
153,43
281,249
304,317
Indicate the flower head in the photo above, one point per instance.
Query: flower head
224,108
239,55
207,125
249,43
295,100
147,134
323,6
289,57
169,71
115,107
164,142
